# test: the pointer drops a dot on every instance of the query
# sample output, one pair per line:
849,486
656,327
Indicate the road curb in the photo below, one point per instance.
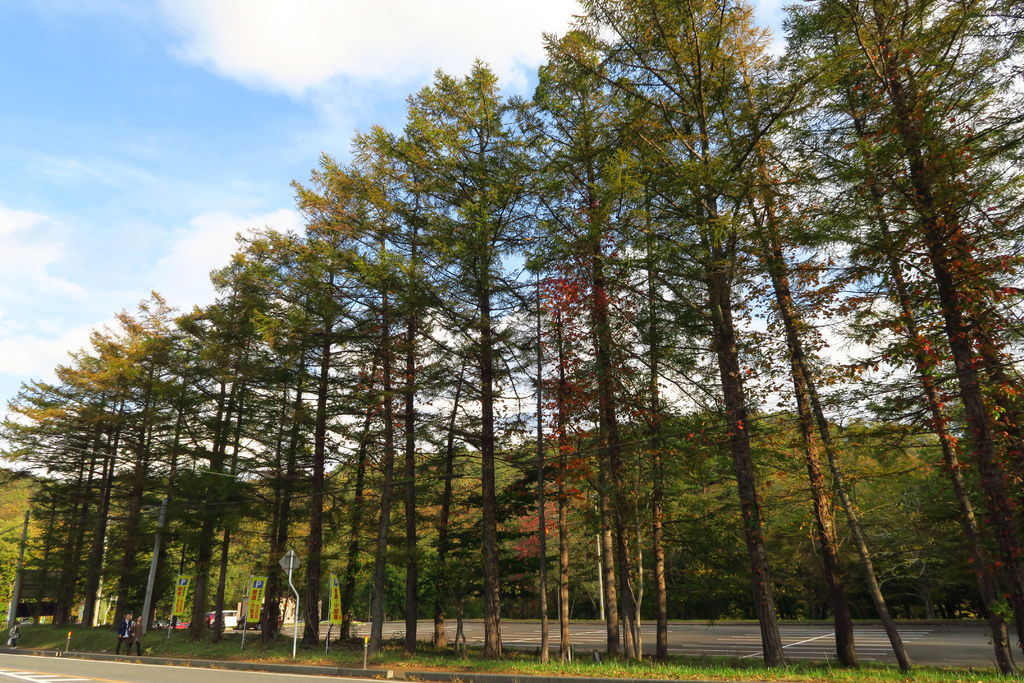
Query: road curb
315,670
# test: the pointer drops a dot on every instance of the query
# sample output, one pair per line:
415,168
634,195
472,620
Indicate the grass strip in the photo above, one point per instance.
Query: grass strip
349,655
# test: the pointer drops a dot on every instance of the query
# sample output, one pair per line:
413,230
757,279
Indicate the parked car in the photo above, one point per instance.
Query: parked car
230,618
244,625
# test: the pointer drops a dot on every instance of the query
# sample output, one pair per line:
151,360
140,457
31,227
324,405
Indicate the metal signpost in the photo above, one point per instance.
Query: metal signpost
289,563
245,610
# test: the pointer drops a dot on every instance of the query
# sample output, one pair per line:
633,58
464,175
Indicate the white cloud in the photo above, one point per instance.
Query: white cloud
44,317
181,275
31,354
30,246
295,47
34,337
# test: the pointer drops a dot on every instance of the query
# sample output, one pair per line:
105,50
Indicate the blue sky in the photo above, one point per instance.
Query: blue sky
138,136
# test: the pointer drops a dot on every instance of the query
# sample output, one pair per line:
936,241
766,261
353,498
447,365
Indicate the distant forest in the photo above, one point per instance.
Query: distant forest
708,328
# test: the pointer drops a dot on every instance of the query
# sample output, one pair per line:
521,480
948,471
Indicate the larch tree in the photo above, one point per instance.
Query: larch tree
587,210
935,74
682,63
470,162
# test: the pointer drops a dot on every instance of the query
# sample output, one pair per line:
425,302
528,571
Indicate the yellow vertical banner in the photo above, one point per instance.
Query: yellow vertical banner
257,587
335,606
181,595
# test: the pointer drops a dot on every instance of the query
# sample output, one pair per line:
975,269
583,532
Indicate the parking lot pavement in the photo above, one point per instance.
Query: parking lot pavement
941,644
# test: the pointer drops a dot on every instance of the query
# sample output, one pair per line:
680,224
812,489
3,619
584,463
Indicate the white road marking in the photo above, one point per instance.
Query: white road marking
870,645
38,677
236,675
691,650
801,642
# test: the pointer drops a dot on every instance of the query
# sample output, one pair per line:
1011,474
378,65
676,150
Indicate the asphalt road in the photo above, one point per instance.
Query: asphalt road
935,644
69,670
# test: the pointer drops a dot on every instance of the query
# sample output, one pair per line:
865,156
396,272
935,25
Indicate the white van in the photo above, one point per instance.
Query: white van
230,618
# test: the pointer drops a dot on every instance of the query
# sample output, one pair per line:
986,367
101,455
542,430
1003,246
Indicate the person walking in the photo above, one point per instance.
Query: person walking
136,636
124,633
13,634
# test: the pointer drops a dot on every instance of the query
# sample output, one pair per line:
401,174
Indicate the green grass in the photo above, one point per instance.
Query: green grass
350,655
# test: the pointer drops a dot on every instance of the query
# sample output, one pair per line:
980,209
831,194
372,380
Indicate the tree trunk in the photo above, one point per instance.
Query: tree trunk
775,264
172,475
657,466
222,579
993,477
441,583
611,602
71,567
271,622
856,531
276,485
352,554
492,579
94,566
409,473
627,600
1007,420
225,547
48,543
923,365
944,243
542,531
562,418
315,539
133,516
720,304
204,550
388,463
980,561
610,445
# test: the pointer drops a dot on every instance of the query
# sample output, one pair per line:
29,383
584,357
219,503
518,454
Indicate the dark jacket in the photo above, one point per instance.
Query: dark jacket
125,629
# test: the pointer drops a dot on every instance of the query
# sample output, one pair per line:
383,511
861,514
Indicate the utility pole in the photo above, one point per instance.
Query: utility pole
12,610
291,562
148,602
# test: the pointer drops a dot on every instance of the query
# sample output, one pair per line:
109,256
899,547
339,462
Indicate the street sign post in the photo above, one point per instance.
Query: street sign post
290,562
245,610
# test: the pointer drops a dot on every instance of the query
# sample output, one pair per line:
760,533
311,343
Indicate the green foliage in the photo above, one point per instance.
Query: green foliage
620,224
